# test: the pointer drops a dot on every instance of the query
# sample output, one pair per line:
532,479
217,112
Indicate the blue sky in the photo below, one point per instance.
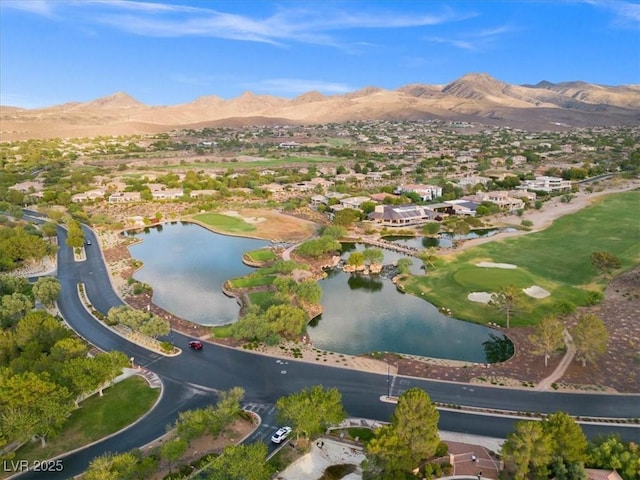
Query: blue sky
171,52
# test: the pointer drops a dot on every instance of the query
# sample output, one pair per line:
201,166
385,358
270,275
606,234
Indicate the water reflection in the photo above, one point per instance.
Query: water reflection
369,283
187,265
445,239
375,316
498,349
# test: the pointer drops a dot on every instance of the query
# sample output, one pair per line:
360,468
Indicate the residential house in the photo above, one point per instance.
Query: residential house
547,184
124,197
28,187
401,215
289,145
500,198
425,192
380,197
374,176
96,194
472,181
167,194
598,474
319,200
461,207
202,193
353,202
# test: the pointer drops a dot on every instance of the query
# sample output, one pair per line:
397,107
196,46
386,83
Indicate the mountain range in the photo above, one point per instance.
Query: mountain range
476,97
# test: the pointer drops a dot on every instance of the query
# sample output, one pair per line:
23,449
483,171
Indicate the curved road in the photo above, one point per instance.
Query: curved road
191,379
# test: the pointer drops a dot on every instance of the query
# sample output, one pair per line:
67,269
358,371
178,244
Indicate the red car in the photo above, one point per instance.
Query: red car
195,345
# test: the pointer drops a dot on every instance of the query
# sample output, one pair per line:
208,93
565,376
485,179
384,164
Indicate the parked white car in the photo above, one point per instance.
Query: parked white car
281,434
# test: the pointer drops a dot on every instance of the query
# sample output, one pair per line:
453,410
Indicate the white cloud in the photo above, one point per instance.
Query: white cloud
625,13
37,7
296,86
286,25
475,41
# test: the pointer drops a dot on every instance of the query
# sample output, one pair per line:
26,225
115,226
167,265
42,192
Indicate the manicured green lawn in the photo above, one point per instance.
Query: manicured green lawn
252,281
222,331
260,164
261,255
263,299
556,259
97,417
479,278
225,223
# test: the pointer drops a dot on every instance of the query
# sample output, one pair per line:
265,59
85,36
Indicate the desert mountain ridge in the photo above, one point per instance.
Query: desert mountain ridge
476,97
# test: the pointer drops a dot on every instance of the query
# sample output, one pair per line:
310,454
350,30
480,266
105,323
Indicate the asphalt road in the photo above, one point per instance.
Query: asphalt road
191,379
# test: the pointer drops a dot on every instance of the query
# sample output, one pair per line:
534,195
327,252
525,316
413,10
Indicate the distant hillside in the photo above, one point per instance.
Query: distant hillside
474,97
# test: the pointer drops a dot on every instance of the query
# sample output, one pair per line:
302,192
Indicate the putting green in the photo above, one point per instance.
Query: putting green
491,279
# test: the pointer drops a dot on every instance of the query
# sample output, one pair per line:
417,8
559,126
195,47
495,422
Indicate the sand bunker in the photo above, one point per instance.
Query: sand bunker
496,265
536,292
233,213
480,297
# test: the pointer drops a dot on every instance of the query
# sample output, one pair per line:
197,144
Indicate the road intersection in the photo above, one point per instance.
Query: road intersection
192,379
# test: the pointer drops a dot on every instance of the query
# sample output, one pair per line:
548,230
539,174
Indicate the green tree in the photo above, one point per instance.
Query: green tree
431,228
528,449
404,265
368,207
372,255
50,229
252,326
335,232
287,320
38,327
138,320
68,348
241,462
308,292
346,217
173,450
122,466
356,259
429,258
229,403
155,327
192,424
35,395
508,300
318,247
13,307
567,438
411,437
590,338
75,235
311,410
547,337
612,453
47,290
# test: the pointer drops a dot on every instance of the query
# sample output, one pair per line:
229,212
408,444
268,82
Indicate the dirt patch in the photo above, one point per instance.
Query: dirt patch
619,368
275,226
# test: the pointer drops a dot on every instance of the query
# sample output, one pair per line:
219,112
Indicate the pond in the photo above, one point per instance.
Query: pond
187,265
365,313
444,240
